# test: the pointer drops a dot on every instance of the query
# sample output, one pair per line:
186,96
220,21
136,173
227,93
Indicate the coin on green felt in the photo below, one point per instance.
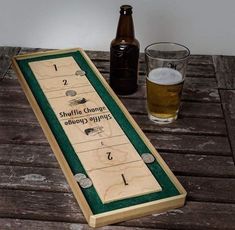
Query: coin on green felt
85,183
79,177
147,158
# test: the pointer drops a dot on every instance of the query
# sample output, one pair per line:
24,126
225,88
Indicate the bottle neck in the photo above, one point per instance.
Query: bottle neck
125,27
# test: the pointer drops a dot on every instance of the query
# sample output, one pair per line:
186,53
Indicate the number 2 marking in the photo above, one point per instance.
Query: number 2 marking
124,180
65,82
109,156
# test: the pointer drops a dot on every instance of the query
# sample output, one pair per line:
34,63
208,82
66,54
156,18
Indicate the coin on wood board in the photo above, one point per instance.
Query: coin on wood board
71,93
85,183
80,73
79,177
148,158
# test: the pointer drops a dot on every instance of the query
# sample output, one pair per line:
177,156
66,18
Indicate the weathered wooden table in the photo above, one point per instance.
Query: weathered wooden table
199,147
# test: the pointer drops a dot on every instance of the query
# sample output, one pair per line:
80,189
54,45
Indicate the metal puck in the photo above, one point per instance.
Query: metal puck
85,183
80,73
79,177
148,158
71,93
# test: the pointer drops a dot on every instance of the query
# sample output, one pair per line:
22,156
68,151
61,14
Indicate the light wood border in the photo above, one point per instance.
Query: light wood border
110,217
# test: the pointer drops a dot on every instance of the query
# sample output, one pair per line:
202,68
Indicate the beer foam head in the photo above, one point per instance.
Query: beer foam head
165,76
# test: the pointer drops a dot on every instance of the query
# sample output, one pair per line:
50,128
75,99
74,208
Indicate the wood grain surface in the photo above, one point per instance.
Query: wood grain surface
199,148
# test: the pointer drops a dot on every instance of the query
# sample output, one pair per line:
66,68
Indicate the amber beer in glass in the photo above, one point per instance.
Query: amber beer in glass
166,67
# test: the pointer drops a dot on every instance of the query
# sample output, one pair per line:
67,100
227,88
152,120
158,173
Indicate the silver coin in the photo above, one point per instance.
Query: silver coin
80,72
71,93
85,183
148,158
79,177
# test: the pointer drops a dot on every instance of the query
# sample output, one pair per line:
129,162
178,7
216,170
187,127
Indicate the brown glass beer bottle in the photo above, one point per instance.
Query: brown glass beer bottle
124,55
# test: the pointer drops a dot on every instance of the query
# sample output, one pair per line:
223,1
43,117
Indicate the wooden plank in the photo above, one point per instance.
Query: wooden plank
195,216
63,207
6,53
193,60
200,60
225,80
98,55
23,135
40,205
197,126
101,60
192,70
207,110
187,109
200,165
9,85
15,99
228,103
27,155
33,178
17,116
200,71
16,224
209,189
195,89
25,50
33,134
102,63
193,92
10,74
225,71
200,89
196,68
224,63
211,145
24,115
41,179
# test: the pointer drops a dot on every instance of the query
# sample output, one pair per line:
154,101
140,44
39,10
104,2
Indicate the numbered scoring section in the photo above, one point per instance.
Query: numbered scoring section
54,68
109,158
124,181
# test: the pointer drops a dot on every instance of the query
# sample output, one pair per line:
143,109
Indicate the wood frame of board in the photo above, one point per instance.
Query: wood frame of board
116,215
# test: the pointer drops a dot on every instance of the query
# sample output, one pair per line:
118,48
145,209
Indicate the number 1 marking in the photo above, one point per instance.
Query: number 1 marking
124,180
55,67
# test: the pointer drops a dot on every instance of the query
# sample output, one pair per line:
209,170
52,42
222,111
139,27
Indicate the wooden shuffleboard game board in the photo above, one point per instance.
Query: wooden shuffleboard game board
113,170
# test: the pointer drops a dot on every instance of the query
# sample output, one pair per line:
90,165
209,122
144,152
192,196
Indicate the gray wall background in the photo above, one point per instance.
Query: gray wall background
205,26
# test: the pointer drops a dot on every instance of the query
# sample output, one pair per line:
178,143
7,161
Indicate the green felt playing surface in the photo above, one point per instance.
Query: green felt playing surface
97,207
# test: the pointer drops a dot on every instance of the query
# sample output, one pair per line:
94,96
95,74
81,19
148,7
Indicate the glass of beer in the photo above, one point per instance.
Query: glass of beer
166,67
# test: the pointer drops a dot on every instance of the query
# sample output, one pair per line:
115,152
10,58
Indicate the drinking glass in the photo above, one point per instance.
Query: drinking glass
166,67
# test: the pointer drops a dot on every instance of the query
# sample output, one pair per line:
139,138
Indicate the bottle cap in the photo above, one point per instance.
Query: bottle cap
126,10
